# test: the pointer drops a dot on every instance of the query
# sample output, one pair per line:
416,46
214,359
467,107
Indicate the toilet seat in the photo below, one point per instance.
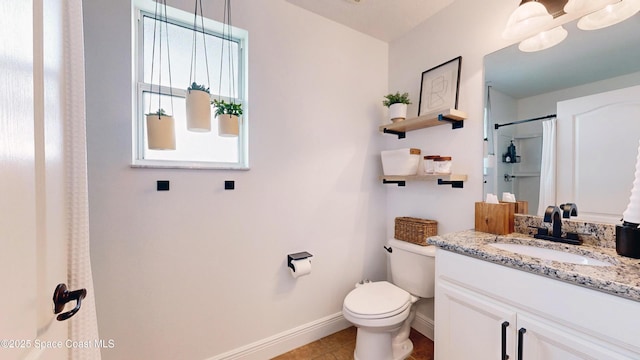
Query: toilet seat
377,300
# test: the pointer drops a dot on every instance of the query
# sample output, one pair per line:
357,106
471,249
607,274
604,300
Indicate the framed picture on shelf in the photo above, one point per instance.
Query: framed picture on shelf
439,87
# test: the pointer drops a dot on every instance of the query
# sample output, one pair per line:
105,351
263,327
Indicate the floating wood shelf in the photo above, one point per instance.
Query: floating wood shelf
455,180
453,116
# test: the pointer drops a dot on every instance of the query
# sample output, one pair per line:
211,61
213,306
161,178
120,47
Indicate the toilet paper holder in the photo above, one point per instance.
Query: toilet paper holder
297,256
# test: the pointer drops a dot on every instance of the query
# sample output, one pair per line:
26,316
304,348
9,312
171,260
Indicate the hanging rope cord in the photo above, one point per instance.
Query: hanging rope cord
226,29
153,55
192,70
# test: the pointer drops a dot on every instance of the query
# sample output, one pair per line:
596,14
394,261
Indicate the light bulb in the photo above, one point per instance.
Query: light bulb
544,40
610,15
525,19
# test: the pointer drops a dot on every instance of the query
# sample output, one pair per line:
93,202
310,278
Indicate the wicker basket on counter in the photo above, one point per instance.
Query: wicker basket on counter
415,230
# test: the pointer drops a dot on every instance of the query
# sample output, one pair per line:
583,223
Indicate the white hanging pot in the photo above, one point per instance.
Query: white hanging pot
228,125
161,133
198,111
397,112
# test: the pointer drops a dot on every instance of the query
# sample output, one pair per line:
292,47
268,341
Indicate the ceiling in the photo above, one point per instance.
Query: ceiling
383,19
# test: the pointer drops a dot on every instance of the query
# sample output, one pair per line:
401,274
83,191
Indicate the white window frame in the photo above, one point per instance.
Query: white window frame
182,18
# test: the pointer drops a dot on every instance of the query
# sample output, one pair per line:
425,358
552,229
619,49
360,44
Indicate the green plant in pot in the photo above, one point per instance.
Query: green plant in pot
227,114
160,112
397,104
196,86
161,134
198,108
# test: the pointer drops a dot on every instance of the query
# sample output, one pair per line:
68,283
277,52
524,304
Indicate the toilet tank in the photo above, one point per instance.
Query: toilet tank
413,267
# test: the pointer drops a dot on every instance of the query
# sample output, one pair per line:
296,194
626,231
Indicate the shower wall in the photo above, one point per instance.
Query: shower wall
521,178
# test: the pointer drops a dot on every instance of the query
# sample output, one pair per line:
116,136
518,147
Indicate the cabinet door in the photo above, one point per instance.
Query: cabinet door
544,340
470,326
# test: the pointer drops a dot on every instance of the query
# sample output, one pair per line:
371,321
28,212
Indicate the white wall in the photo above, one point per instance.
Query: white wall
199,271
467,28
546,103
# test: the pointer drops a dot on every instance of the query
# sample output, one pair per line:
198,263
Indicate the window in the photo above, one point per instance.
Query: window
226,60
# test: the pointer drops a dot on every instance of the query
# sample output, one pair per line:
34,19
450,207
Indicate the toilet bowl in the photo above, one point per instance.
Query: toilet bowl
383,311
379,310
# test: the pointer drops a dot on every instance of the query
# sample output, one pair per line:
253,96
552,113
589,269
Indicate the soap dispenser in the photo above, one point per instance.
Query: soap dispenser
511,151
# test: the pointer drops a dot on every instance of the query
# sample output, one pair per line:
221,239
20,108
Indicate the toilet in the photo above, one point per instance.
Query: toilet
383,311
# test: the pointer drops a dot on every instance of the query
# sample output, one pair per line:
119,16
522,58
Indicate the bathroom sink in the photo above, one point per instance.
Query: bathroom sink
550,254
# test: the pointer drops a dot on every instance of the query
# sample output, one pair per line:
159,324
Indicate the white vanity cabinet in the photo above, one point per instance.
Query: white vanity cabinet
489,311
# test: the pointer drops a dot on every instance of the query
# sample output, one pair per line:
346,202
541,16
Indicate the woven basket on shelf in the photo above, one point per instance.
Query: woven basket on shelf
415,230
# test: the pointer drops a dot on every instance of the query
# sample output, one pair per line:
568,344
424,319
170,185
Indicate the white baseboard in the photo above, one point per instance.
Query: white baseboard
304,334
287,340
423,325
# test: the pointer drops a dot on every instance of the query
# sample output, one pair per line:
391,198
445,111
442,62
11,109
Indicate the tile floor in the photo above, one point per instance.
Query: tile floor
340,346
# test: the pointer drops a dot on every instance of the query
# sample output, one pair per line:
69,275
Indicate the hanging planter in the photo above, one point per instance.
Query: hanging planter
228,125
198,108
198,101
228,114
228,117
161,134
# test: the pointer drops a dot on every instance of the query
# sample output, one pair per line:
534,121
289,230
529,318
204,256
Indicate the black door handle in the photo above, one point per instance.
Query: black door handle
504,356
61,296
520,342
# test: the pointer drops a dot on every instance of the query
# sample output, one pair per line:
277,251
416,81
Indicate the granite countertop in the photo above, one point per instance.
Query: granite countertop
621,279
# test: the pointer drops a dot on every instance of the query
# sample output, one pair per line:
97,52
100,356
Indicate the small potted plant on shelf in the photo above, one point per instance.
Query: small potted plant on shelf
198,106
161,133
227,114
397,104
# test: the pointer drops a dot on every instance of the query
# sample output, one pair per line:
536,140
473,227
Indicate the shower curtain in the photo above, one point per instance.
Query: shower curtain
548,166
83,326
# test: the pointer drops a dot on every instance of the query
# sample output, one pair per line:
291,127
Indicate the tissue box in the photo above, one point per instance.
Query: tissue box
520,207
495,218
400,162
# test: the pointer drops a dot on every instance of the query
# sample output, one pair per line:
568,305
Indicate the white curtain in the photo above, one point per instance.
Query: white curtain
548,166
83,326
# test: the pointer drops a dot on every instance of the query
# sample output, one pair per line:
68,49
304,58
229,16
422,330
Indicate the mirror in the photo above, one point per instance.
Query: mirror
523,86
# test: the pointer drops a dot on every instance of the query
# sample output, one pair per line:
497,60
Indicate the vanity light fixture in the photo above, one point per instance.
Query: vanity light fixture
533,15
544,40
527,18
609,15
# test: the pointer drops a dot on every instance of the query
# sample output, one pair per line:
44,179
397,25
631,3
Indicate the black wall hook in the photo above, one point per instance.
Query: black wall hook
61,296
